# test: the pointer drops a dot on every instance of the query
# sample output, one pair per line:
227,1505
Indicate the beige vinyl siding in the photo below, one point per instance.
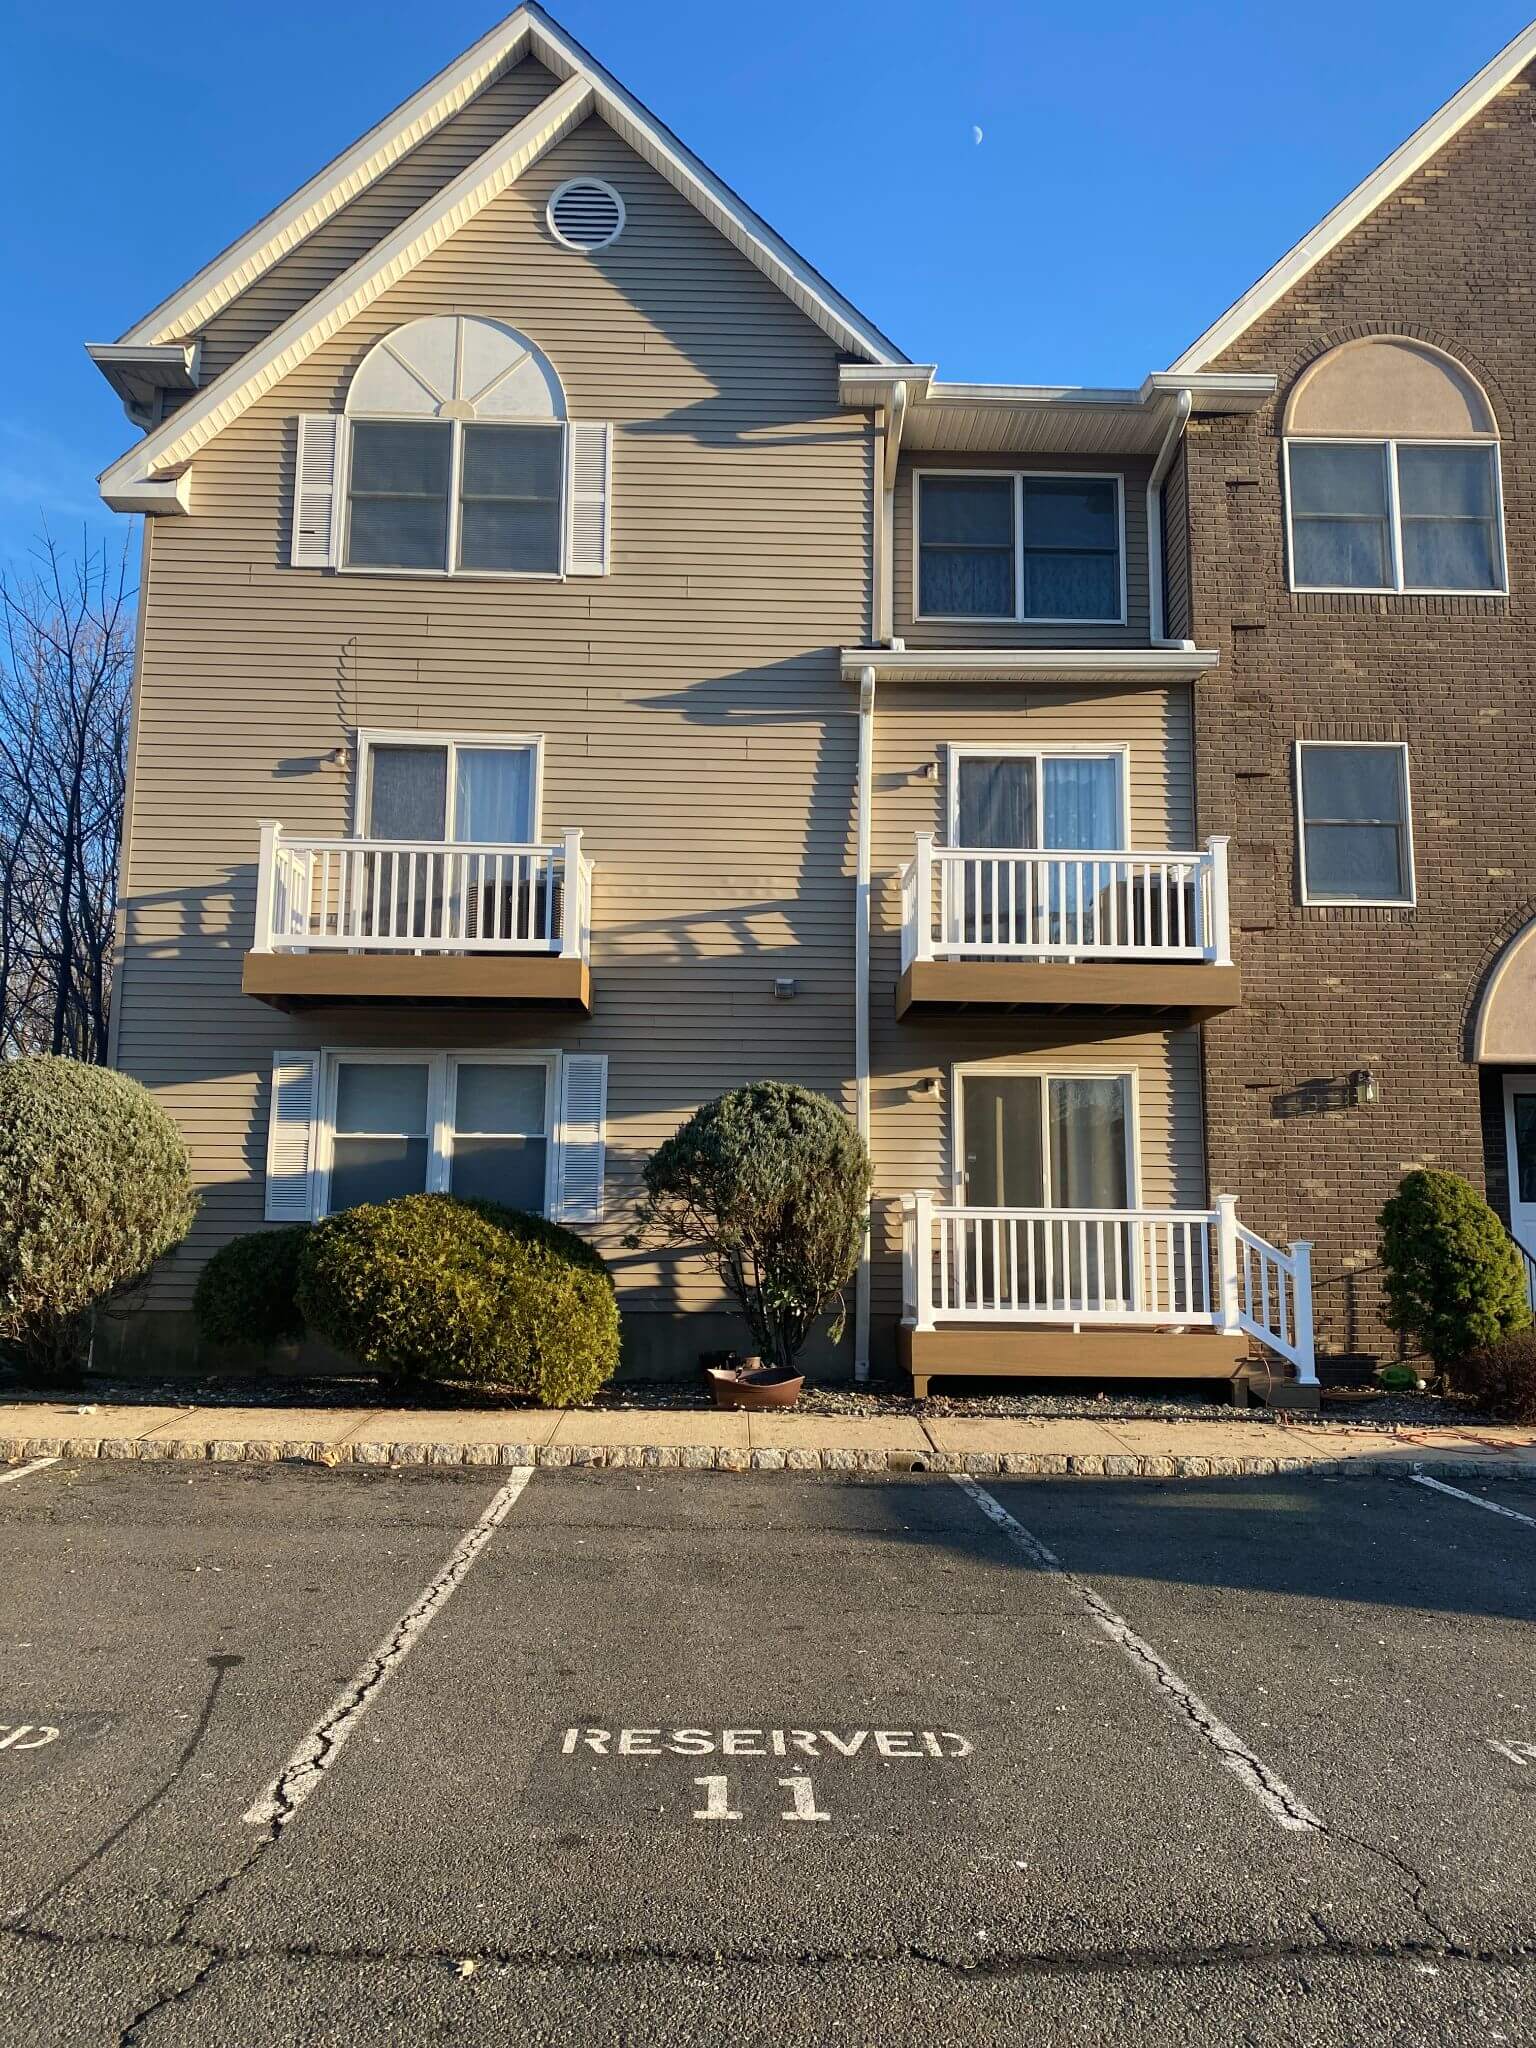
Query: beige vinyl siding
294,279
694,722
910,1132
1133,472
1178,624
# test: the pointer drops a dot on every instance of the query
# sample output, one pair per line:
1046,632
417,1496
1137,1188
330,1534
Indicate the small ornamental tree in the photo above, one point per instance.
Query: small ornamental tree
1455,1280
770,1185
94,1187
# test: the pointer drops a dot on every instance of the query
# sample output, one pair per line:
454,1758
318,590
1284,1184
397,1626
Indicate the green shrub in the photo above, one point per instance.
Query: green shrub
94,1187
1455,1281
246,1292
1501,1377
430,1288
770,1184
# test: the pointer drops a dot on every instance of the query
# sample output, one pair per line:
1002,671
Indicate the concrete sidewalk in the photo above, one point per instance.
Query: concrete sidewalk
706,1440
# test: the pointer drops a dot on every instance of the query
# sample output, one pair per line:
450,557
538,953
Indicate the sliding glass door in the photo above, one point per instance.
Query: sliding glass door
436,791
1053,1142
1030,802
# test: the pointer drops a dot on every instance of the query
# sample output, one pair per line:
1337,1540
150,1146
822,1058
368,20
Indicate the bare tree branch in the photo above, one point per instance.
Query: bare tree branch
66,672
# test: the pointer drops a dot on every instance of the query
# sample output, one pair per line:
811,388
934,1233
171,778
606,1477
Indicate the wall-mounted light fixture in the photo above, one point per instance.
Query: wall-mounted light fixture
928,1087
929,772
785,988
1362,1084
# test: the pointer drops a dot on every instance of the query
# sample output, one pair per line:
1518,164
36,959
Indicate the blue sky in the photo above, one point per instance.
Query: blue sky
1138,167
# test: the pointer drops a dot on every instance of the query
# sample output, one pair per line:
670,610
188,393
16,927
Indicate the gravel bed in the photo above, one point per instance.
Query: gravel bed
1359,1409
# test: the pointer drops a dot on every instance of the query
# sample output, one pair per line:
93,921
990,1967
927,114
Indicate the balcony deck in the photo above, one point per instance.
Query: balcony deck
1048,931
374,921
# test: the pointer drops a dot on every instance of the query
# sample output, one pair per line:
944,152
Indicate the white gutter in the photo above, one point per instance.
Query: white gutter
894,420
861,921
1182,404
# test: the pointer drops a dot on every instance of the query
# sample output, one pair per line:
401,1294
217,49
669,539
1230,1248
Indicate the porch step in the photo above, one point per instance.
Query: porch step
1004,1353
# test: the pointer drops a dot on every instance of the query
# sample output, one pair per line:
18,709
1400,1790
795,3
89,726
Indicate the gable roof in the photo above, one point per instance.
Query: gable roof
527,32
1363,201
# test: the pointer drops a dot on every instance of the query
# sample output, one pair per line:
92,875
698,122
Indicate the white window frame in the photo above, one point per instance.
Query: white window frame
1018,477
1118,751
455,501
369,737
442,1081
1397,587
1312,901
1045,1070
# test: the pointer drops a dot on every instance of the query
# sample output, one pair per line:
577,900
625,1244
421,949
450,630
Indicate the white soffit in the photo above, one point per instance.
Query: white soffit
1041,419
528,32
1364,200
1029,664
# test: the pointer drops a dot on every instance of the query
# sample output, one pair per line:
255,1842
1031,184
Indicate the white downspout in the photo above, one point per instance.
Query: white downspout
1183,400
861,928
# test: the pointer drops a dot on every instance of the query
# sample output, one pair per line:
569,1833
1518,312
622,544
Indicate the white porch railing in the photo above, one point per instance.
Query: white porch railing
1119,1268
414,896
991,904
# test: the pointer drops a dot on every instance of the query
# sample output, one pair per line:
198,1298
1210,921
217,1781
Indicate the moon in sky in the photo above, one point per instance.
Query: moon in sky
975,134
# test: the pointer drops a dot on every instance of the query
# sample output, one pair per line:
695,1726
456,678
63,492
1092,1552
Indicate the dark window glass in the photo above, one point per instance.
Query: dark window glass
379,1145
1339,528
1450,518
965,536
1354,815
398,500
511,499
1071,548
499,1146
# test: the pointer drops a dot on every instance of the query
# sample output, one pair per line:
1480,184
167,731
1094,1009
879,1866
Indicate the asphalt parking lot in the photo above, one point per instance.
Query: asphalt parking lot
289,1755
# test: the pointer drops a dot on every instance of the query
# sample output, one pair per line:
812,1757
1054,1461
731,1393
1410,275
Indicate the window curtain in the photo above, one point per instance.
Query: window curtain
996,804
1088,1144
493,795
1082,804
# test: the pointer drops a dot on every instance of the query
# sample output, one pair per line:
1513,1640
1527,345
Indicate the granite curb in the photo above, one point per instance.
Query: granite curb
1402,1463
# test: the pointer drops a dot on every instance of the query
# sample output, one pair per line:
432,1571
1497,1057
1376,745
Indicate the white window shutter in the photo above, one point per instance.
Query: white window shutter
291,1136
317,491
589,480
583,1121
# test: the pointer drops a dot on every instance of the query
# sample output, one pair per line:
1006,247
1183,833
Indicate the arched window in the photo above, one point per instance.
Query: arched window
456,432
1392,473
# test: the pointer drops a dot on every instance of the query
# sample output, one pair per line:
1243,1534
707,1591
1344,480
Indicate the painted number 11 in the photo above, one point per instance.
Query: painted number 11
717,1800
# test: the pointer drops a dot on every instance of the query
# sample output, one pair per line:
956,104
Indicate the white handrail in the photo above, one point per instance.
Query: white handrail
1123,1268
414,896
995,903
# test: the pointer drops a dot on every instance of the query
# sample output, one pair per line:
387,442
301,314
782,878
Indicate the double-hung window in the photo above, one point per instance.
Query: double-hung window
1355,823
1395,515
403,1124
447,494
1031,549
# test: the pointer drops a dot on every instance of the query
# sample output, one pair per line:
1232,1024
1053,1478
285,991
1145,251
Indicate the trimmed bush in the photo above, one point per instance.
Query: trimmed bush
770,1185
1501,1378
431,1288
1455,1281
246,1292
94,1187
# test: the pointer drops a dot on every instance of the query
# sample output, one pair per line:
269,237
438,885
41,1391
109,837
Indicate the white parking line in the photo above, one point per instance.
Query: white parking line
314,1756
1272,1793
1492,1506
37,1464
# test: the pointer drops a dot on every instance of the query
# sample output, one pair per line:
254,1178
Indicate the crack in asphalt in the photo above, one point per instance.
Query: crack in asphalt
314,1756
1002,1963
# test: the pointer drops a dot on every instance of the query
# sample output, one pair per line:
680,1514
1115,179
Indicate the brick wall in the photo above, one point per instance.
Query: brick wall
1449,259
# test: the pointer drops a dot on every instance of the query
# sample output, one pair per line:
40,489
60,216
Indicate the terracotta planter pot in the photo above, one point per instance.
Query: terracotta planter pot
755,1386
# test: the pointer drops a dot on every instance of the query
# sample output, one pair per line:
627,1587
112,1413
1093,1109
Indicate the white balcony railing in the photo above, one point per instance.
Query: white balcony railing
975,903
413,896
1096,1268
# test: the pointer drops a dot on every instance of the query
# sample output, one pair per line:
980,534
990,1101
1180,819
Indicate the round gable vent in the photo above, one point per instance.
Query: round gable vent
585,214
